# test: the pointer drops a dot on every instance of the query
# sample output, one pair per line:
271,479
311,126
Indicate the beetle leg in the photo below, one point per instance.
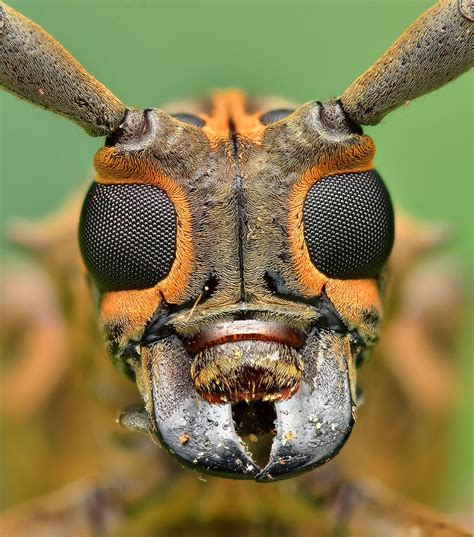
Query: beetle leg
37,68
434,50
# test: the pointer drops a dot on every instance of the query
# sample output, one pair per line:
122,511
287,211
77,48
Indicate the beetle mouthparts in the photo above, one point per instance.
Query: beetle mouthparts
311,425
248,370
241,330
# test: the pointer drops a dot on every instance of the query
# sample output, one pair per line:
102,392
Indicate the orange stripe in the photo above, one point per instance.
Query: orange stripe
113,169
229,107
348,160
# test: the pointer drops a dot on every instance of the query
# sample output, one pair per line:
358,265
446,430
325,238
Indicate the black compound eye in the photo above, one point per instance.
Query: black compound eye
349,225
127,235
190,119
275,115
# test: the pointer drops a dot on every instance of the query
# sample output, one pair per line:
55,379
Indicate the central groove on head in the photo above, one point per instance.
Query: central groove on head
241,211
246,361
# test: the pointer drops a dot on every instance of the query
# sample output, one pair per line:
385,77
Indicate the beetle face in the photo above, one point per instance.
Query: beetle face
236,255
236,259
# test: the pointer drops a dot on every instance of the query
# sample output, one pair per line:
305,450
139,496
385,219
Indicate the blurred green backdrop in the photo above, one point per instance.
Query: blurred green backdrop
149,52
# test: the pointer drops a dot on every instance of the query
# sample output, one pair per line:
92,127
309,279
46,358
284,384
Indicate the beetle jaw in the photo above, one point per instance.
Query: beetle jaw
312,424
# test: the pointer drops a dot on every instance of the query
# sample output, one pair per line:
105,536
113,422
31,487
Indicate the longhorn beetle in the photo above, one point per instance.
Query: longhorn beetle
237,255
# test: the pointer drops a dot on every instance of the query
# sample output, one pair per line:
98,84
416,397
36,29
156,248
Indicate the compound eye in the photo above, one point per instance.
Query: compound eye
275,115
127,235
349,225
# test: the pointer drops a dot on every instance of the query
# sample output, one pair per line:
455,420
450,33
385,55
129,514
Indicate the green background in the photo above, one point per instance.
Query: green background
151,52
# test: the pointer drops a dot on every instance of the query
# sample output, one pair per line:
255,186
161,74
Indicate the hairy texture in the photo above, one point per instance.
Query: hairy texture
37,68
247,371
434,50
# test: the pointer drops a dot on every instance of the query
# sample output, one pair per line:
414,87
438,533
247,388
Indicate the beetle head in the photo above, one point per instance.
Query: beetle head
236,256
236,262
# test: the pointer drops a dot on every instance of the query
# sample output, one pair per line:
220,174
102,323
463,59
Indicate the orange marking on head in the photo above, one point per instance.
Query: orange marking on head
116,169
229,109
353,300
132,308
218,122
359,293
347,160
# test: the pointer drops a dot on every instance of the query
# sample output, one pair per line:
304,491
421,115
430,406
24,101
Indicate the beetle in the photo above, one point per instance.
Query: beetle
231,304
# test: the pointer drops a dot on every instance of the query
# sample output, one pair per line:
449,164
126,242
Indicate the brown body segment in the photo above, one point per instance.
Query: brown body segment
284,163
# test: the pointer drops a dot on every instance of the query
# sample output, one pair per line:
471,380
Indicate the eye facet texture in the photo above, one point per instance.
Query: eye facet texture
275,115
349,225
127,235
190,119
